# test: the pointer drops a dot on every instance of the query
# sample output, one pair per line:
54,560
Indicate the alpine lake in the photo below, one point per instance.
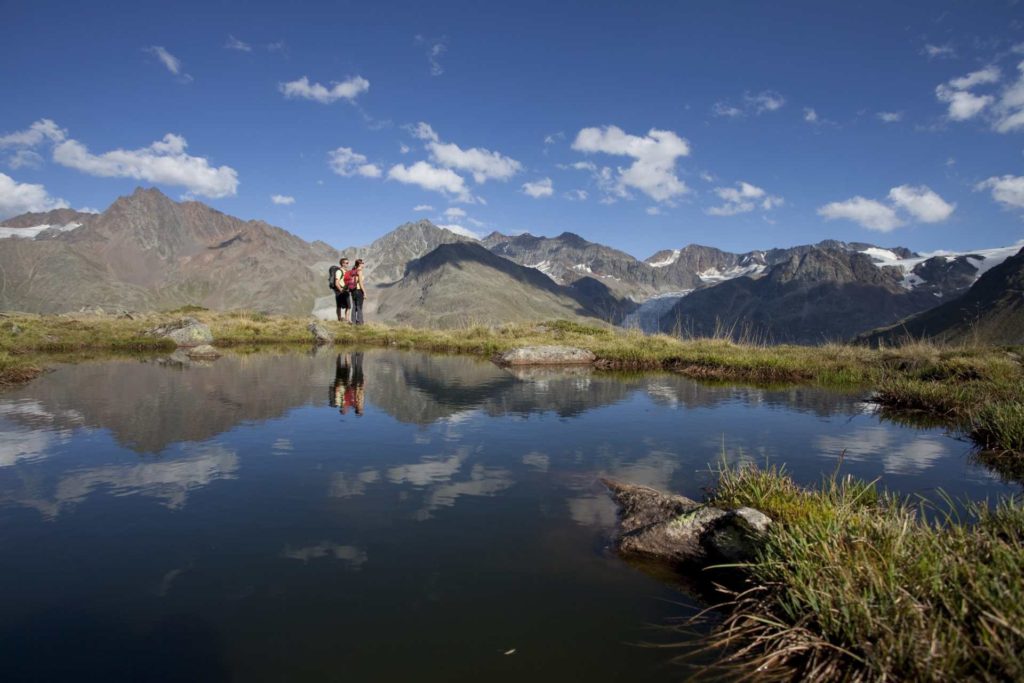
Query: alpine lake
337,514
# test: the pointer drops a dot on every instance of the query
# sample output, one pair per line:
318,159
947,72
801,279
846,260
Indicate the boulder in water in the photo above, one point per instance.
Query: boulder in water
204,352
681,531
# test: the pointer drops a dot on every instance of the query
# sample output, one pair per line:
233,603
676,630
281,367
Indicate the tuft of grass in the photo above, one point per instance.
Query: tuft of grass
857,584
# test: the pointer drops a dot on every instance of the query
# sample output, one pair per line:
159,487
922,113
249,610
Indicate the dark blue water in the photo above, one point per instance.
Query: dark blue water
379,515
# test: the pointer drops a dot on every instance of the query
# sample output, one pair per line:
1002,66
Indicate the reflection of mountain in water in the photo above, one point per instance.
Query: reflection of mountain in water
148,405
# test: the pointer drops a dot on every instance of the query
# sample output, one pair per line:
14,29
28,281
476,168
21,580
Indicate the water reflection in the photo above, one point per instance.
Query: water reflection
347,391
386,511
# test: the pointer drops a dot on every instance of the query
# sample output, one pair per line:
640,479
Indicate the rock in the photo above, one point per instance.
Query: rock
92,310
204,351
185,332
321,335
546,355
681,531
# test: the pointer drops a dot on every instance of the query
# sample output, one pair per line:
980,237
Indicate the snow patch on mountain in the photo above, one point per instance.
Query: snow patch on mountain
983,260
666,261
648,316
547,268
33,232
716,275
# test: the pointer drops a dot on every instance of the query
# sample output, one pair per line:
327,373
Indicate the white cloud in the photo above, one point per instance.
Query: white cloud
553,138
282,199
43,129
576,195
539,188
236,44
454,213
652,172
17,198
867,212
964,105
435,48
443,180
164,161
890,116
922,203
756,104
743,199
653,211
346,162
344,90
404,149
810,116
938,51
1008,190
423,207
172,63
1009,110
767,100
989,74
25,158
483,164
726,110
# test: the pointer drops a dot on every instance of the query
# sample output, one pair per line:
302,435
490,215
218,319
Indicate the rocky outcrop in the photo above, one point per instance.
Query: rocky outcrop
546,355
186,332
681,531
321,335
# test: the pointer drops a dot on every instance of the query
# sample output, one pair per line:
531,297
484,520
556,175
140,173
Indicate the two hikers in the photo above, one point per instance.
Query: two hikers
347,389
348,290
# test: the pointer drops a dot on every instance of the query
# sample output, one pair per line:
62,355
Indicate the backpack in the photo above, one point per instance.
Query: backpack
331,275
350,279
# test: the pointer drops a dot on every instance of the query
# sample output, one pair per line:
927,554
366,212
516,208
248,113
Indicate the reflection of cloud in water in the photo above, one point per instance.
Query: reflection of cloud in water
170,481
23,445
346,485
281,447
432,469
654,470
537,460
879,443
349,554
483,481
597,511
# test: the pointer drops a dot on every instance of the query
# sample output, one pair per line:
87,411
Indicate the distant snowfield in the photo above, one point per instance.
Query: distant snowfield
33,232
668,261
716,275
983,260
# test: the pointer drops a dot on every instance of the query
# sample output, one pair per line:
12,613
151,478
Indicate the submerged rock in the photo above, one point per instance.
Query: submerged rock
204,351
321,335
185,332
546,355
679,530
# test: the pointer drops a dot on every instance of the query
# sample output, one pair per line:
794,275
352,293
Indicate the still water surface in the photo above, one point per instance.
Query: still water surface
383,515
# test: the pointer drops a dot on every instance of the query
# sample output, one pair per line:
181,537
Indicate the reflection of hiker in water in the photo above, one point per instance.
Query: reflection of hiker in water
342,377
347,389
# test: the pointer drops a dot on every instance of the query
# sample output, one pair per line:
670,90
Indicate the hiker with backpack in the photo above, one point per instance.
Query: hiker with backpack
336,281
354,283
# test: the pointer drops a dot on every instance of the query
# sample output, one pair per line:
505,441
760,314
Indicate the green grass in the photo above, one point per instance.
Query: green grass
855,584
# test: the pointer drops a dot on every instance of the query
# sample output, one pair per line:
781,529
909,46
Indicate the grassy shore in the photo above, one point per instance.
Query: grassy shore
979,390
856,584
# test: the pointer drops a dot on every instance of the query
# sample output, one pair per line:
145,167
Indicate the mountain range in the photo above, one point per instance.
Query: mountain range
148,252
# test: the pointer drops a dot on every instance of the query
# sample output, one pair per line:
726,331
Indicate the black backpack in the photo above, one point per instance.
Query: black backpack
331,274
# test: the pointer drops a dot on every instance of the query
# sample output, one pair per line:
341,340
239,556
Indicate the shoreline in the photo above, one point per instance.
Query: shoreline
976,390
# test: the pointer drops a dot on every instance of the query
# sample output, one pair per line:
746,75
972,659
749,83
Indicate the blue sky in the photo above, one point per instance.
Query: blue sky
645,126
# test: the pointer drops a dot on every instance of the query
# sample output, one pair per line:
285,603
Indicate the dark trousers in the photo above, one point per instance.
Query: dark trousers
357,305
